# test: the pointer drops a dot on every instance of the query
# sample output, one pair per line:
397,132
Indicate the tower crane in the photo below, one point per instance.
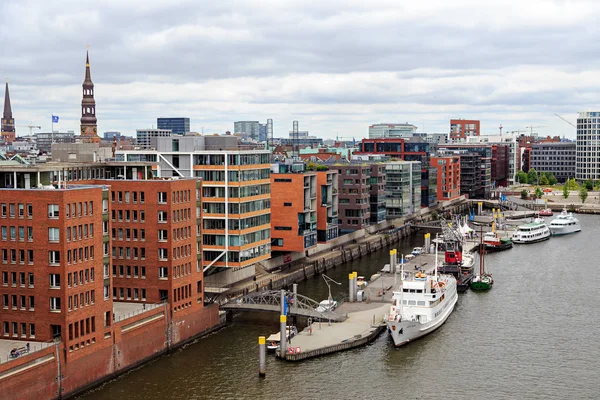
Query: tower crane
531,128
31,127
568,122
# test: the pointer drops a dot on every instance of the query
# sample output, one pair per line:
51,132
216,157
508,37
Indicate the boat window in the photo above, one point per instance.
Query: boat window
412,302
420,303
404,302
405,290
419,291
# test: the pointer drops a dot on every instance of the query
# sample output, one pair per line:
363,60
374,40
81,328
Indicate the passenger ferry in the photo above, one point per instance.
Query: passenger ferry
421,304
535,231
564,224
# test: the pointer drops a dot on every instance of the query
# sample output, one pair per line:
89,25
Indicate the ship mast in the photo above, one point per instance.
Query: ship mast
481,251
436,258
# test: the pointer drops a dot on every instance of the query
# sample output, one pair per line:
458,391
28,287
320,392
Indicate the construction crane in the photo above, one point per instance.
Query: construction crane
31,127
568,122
531,128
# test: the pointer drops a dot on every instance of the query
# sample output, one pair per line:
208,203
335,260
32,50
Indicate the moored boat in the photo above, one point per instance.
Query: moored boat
546,212
484,280
274,339
421,304
327,306
493,242
564,224
533,232
458,265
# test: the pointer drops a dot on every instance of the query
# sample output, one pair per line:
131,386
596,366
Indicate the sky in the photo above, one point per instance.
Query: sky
335,66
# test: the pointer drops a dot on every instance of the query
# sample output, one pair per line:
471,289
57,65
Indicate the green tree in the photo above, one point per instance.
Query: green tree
566,190
521,177
583,194
572,184
544,179
524,194
538,193
532,176
589,185
551,178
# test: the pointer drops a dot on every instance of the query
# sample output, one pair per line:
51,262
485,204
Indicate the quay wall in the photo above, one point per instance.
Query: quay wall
133,342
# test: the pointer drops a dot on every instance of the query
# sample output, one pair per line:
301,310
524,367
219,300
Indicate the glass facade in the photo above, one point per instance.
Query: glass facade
179,126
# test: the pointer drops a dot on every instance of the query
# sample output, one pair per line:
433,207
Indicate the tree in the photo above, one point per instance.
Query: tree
572,184
589,185
532,176
566,190
524,194
583,194
538,193
544,180
521,177
551,178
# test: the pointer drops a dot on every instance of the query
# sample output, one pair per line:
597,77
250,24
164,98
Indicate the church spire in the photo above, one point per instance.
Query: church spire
7,118
89,130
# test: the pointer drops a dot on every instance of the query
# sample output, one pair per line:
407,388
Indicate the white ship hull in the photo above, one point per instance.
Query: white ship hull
544,236
564,230
406,331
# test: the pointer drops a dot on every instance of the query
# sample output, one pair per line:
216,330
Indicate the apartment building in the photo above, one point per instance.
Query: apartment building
327,205
557,158
588,146
460,129
448,176
55,280
236,193
408,149
402,188
377,199
293,207
475,167
354,196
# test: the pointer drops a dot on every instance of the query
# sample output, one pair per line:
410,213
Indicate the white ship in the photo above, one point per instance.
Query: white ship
564,224
536,231
421,305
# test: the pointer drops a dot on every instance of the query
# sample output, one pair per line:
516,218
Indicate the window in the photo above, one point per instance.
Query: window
31,281
21,210
162,197
53,234
162,235
163,254
4,209
54,281
142,197
30,233
32,330
55,303
31,303
54,257
162,216
163,272
53,211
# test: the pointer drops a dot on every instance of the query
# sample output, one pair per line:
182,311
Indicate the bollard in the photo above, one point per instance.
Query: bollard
351,287
354,284
295,297
283,336
262,350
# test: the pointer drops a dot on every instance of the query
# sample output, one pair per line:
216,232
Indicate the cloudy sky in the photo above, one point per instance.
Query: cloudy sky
335,66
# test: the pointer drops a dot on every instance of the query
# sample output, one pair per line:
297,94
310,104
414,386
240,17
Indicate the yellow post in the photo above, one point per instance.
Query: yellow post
262,351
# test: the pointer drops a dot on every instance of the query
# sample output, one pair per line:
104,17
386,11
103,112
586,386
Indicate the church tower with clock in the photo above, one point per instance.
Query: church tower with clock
89,129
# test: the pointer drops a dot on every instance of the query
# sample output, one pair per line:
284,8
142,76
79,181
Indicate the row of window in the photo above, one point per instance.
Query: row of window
80,277
129,271
17,231
128,234
11,209
74,256
12,329
81,300
76,232
128,196
73,210
130,215
18,302
129,293
13,256
82,328
131,252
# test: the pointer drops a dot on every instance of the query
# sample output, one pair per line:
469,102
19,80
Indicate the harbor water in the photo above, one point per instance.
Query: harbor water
533,336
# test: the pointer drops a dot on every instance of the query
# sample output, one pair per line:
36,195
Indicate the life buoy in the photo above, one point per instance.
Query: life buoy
391,317
290,350
297,349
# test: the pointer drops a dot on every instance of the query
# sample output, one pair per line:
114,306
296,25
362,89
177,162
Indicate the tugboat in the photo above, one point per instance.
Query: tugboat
458,264
493,242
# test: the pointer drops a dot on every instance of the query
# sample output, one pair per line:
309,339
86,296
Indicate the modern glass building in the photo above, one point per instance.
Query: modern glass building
179,126
588,146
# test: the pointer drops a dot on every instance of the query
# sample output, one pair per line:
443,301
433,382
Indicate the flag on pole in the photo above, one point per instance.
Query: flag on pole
55,119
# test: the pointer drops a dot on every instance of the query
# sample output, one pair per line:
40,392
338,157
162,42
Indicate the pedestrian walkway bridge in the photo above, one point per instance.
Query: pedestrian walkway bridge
270,301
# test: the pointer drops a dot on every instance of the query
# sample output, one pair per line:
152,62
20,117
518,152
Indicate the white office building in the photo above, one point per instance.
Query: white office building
587,158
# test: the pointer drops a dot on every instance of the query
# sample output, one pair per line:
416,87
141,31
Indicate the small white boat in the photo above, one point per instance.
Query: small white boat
408,257
327,306
416,251
274,339
361,282
564,224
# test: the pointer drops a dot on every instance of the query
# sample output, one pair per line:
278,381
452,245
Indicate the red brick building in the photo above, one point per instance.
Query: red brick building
448,176
327,205
461,128
293,208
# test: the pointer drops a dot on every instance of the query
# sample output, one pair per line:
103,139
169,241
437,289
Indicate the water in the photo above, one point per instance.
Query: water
533,336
